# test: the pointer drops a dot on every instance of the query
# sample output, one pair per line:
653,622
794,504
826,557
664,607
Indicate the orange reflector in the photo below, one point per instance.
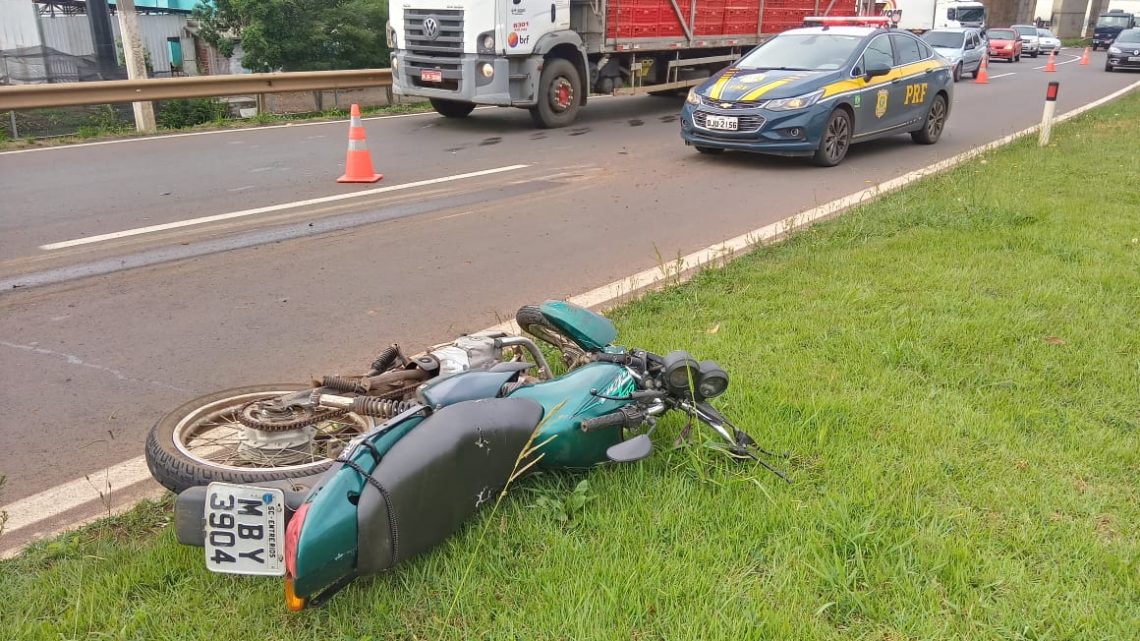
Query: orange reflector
1051,92
293,603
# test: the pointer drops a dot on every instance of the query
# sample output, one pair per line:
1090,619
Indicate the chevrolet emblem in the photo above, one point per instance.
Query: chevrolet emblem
725,105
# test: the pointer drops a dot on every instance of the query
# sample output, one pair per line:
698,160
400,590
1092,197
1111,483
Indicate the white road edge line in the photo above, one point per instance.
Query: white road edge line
212,132
1002,75
271,208
1067,62
57,500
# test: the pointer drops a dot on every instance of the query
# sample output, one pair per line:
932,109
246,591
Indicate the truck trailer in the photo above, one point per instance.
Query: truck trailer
549,56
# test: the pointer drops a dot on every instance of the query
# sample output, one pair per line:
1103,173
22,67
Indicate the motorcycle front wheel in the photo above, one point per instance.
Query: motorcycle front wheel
532,321
204,441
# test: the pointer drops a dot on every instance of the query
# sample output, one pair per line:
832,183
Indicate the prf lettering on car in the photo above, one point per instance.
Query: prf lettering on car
915,94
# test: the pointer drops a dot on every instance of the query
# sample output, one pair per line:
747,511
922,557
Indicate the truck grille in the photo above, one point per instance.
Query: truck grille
746,123
433,39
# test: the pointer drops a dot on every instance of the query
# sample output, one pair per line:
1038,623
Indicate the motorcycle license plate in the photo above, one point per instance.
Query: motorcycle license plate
245,530
724,123
431,75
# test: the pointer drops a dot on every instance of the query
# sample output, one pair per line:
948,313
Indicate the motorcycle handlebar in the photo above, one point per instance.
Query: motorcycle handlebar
625,417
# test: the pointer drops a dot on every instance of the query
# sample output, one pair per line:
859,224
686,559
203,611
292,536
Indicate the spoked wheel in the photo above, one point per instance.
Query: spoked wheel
835,141
532,321
935,122
245,435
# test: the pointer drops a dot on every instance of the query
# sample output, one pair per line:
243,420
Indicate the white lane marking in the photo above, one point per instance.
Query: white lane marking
134,470
237,189
212,132
1058,64
270,208
59,499
1002,75
72,359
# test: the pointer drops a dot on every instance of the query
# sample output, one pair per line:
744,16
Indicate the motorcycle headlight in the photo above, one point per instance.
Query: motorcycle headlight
798,102
713,381
681,372
694,98
1114,49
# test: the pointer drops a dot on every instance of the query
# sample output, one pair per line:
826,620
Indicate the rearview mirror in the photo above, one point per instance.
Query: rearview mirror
877,69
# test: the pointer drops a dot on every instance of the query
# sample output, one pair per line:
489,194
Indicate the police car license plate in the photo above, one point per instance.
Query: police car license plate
245,529
725,123
431,75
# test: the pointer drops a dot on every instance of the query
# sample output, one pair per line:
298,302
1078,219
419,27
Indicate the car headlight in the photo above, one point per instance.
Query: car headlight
1009,47
798,102
693,98
1114,50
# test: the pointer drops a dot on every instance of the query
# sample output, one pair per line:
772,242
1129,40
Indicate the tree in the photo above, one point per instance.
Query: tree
298,35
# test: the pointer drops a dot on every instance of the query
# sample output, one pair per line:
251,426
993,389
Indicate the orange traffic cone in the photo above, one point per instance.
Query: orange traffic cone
983,77
1051,66
358,163
1085,57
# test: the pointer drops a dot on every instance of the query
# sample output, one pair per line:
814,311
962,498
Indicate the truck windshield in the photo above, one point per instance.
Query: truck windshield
972,14
1112,21
1027,31
946,39
803,52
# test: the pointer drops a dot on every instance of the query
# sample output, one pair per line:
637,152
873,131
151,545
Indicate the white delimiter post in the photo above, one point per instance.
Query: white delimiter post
1047,117
136,61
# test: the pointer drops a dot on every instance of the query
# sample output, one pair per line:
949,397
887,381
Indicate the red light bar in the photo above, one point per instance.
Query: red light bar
847,21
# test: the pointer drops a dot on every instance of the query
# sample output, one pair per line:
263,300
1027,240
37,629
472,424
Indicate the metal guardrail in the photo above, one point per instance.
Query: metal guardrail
111,91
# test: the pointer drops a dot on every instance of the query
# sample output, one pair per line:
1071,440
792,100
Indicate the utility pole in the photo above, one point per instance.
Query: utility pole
135,57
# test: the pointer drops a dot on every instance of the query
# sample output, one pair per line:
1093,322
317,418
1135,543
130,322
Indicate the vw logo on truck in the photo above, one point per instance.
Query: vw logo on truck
431,28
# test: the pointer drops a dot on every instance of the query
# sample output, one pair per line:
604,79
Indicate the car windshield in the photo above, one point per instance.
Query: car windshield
947,39
1027,31
1000,34
802,52
1131,35
1045,33
972,14
1112,21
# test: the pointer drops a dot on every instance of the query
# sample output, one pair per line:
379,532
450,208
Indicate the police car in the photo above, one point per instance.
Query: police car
813,91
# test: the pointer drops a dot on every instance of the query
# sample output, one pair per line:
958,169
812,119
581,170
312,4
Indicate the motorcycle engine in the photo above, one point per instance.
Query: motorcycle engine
467,352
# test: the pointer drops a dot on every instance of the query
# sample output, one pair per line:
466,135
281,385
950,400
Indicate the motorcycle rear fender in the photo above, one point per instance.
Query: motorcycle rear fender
437,476
190,506
592,332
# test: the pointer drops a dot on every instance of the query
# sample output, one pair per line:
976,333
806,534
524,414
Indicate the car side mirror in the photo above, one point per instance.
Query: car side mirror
877,69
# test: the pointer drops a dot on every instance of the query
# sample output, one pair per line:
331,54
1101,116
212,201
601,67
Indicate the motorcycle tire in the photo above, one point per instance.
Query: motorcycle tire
532,321
174,463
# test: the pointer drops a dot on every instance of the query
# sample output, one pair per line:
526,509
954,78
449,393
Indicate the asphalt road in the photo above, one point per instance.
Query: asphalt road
99,340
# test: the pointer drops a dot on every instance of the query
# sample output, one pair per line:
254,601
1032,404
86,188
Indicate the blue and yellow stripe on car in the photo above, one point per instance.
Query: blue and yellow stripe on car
761,90
718,87
856,84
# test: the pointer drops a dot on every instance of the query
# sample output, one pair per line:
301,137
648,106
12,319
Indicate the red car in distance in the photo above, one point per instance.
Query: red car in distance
1005,44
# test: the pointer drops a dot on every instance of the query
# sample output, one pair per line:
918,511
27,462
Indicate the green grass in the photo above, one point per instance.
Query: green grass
98,128
954,369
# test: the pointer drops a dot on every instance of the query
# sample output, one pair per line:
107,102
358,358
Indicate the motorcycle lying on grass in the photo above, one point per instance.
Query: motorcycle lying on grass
409,476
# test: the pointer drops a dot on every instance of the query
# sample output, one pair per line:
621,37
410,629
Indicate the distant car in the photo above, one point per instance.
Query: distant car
1049,42
1005,44
815,91
1124,52
1030,43
963,48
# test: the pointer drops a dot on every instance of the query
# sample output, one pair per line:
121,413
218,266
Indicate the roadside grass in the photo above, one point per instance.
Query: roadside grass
109,129
955,370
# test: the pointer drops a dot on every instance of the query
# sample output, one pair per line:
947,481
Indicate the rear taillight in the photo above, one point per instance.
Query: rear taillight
293,537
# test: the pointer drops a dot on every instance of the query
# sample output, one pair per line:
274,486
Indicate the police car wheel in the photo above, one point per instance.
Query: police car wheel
934,124
709,150
835,141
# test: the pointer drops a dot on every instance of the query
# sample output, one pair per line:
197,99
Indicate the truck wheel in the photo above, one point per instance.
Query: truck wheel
835,141
559,91
451,108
